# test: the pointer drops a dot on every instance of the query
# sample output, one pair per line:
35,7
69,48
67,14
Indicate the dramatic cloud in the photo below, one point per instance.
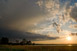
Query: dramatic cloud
74,12
40,19
58,13
14,11
12,34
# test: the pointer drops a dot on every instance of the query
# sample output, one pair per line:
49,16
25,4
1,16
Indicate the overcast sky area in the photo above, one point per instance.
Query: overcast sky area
41,21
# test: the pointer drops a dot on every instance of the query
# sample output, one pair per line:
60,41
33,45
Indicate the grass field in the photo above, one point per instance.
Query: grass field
36,48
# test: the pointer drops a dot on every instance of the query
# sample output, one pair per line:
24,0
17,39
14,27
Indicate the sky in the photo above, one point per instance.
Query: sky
41,21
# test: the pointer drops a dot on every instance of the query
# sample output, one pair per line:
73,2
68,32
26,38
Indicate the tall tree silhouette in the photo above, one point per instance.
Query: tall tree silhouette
4,40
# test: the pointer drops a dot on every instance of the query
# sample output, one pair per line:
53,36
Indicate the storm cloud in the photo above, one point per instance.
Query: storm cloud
17,10
13,34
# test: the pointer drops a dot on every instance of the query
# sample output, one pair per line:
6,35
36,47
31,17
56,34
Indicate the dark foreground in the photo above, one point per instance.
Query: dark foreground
36,48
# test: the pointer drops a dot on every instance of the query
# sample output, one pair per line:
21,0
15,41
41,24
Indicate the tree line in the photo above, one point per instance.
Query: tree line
5,41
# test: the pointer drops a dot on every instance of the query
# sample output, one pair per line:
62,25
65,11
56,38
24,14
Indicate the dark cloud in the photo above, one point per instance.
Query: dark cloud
12,34
74,13
74,34
14,10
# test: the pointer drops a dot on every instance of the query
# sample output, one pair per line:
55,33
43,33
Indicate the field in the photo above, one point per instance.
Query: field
36,48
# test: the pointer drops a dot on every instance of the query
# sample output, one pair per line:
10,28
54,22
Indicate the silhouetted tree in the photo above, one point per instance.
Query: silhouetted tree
23,42
33,43
29,43
4,40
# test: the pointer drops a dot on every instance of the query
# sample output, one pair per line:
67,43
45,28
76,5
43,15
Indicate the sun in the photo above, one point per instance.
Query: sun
68,38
